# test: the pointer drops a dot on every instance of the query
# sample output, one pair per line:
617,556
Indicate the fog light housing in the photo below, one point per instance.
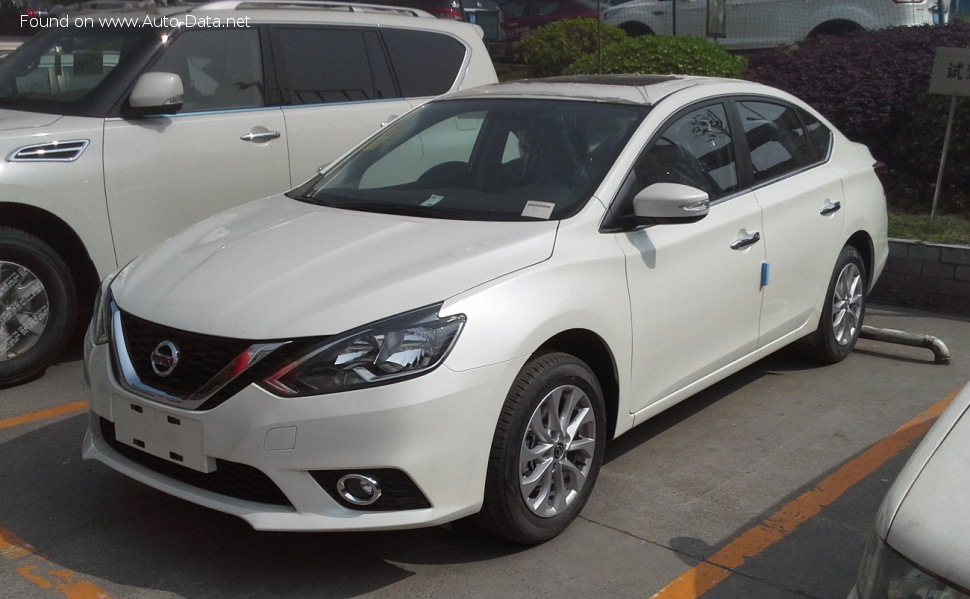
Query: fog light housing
372,489
358,489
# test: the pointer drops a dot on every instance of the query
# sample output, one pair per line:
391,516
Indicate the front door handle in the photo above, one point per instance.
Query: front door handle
259,136
830,208
751,239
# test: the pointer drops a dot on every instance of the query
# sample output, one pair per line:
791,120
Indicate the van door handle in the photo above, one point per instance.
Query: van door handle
258,136
740,244
830,208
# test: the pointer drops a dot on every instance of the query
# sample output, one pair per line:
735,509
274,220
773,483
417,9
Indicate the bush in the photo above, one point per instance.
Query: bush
662,55
553,47
873,85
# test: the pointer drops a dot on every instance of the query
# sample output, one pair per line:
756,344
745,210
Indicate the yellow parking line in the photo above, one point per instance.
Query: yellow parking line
717,568
46,574
43,414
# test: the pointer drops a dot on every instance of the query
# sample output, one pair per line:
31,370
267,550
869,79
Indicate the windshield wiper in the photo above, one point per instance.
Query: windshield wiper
405,210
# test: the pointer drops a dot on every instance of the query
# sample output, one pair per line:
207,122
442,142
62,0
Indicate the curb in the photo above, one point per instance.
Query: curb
925,275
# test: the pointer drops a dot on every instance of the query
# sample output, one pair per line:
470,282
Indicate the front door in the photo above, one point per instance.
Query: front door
695,289
224,148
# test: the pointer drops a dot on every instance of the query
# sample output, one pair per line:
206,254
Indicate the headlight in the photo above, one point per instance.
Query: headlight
886,574
101,320
386,351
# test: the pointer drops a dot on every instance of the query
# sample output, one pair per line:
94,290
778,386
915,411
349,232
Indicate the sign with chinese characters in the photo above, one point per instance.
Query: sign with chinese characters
951,72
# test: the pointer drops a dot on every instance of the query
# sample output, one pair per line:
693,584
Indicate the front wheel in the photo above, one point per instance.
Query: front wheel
547,450
37,306
845,307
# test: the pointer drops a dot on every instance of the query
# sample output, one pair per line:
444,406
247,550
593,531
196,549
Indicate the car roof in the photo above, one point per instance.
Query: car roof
645,90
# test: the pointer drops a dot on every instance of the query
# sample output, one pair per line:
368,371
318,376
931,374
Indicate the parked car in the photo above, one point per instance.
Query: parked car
453,318
522,17
115,137
484,13
920,545
22,17
769,23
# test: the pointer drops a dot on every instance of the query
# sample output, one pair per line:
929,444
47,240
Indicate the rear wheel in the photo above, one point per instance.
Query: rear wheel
547,450
37,306
844,310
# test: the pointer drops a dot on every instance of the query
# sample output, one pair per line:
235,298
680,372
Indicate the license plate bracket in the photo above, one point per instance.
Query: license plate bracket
171,437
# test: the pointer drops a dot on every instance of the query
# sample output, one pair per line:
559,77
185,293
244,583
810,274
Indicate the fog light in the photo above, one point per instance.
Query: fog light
358,489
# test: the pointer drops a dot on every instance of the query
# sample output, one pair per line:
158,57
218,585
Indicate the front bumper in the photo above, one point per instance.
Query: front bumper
436,429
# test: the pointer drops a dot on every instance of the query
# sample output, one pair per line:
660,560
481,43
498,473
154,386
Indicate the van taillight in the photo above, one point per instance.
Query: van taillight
447,13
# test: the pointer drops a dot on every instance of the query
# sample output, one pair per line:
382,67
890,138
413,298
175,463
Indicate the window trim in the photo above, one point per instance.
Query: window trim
748,174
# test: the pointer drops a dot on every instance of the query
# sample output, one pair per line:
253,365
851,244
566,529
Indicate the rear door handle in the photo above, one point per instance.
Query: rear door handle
258,136
830,208
740,244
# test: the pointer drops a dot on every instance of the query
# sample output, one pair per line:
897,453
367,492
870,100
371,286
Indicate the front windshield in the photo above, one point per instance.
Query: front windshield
484,159
62,69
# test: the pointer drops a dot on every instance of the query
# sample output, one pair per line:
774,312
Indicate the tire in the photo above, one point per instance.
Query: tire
530,501
843,313
37,306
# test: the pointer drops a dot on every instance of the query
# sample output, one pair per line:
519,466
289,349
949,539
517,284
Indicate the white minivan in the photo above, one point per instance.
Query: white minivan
116,134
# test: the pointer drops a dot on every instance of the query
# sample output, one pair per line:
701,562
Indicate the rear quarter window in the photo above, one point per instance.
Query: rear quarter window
431,72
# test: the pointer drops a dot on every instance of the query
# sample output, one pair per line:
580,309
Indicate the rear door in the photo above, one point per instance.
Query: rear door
801,198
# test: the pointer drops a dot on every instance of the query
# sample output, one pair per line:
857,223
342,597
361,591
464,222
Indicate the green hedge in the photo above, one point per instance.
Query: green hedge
553,47
662,54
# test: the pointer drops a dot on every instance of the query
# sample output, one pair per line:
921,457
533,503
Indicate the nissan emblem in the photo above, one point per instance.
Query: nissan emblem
165,358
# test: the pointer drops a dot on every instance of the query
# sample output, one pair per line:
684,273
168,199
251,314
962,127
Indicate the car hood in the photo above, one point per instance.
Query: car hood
16,119
930,526
279,268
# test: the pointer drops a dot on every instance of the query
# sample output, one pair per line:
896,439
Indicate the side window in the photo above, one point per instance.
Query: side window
818,133
776,139
696,150
430,72
220,68
324,65
514,8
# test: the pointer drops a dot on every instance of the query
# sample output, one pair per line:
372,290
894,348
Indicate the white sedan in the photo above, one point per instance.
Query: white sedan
452,319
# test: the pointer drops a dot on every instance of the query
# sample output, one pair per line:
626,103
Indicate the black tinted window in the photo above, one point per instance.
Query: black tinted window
776,139
818,133
324,65
695,150
430,72
220,68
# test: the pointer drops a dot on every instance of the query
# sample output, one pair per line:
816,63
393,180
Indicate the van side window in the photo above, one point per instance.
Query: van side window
325,65
776,139
221,69
430,72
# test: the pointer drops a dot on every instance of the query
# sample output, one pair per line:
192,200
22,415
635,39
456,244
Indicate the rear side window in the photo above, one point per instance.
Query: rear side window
776,139
430,72
818,133
327,65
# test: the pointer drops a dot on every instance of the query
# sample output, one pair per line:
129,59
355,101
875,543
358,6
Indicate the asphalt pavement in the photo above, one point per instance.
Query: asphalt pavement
763,486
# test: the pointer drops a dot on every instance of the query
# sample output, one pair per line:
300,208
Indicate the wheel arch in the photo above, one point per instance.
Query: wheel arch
56,233
594,351
862,241
836,27
635,28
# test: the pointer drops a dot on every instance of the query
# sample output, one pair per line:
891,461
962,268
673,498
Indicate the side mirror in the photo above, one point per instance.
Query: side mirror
670,203
156,94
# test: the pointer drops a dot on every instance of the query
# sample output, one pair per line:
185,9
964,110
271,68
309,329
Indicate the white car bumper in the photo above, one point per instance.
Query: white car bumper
436,430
